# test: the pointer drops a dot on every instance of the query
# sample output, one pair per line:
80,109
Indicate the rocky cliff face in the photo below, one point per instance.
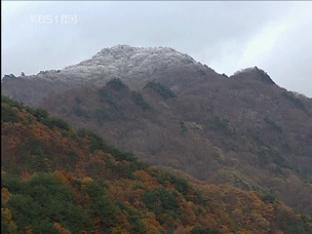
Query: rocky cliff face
173,111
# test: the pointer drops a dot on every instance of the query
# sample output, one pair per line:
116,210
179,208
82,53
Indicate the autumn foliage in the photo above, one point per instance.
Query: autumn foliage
58,180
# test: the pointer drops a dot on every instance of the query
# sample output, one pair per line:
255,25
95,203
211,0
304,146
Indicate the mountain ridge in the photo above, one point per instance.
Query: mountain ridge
110,57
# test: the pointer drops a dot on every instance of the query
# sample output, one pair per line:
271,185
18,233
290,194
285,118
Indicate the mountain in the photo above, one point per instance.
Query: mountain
168,109
133,65
58,180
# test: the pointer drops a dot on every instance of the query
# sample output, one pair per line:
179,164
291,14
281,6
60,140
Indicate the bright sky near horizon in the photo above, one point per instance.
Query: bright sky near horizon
227,36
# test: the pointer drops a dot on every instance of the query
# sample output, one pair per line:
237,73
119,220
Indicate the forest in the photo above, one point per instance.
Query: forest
59,180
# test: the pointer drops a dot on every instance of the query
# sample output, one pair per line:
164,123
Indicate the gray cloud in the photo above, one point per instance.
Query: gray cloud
227,36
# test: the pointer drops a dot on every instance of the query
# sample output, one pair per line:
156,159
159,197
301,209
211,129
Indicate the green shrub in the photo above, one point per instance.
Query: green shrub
136,225
291,225
180,184
161,201
43,117
269,198
43,200
12,182
10,102
97,143
33,155
101,205
8,114
58,123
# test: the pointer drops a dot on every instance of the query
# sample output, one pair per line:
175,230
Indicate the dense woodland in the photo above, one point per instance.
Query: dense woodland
59,180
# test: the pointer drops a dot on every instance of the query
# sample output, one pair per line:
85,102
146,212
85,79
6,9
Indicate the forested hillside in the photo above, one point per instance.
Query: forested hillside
59,180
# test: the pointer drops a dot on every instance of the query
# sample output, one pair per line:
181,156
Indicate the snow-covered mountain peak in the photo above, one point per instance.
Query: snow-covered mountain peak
129,55
127,62
133,65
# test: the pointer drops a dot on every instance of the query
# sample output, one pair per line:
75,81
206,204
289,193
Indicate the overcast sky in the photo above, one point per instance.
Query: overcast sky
227,36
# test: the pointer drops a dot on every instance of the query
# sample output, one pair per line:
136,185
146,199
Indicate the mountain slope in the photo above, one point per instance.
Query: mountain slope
56,180
172,111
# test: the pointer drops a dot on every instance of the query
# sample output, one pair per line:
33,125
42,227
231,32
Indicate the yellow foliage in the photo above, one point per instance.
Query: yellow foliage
5,196
151,224
6,215
146,178
6,218
86,180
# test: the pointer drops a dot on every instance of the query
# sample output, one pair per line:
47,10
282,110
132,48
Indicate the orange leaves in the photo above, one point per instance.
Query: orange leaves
61,230
63,176
147,179
188,213
122,190
151,224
